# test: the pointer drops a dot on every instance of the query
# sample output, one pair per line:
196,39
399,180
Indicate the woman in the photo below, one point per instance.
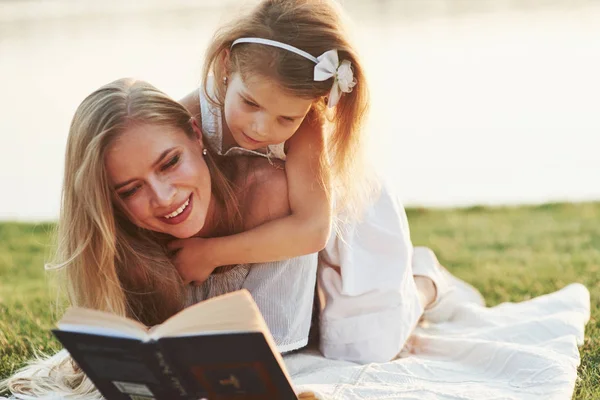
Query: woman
137,175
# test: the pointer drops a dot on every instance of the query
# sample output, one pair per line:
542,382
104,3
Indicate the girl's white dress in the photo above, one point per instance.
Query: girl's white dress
371,308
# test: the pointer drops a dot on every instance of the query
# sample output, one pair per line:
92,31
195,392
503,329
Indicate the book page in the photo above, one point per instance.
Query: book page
234,311
85,320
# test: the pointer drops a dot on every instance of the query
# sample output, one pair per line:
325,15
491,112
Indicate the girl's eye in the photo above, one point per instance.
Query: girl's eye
251,104
127,194
287,119
174,160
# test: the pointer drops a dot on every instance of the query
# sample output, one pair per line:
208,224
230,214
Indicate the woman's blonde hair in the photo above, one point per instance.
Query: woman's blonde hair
109,263
314,26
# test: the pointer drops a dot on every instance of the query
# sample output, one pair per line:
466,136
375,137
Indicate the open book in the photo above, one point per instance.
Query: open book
219,349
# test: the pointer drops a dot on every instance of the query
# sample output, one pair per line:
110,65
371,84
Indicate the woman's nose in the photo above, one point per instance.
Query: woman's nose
164,193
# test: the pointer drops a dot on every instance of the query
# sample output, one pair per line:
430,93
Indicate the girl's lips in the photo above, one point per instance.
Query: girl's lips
249,139
181,217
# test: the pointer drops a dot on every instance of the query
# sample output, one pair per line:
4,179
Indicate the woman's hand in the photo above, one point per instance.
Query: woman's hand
191,258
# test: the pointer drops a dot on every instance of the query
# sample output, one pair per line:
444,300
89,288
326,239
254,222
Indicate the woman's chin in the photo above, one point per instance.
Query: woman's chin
183,233
186,230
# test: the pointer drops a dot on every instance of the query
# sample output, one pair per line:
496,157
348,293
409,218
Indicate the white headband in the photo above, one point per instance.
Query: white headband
327,66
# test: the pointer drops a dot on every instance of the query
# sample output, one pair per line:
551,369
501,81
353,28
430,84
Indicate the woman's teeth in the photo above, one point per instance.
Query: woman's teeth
179,210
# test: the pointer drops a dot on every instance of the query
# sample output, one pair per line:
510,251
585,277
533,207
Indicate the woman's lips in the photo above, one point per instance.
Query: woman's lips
182,216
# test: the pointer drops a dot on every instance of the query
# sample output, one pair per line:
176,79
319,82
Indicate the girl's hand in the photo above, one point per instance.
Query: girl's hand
191,259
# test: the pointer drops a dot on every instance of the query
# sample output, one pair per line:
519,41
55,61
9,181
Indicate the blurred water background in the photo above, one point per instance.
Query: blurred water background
473,101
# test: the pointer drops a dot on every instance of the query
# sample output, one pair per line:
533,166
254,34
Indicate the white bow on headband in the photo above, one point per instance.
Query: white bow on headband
327,66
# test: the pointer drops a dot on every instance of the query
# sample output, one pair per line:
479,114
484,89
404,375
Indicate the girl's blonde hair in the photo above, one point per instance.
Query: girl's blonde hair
314,26
110,264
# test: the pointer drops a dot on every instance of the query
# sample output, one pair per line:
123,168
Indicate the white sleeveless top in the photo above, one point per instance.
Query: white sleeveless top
212,128
284,290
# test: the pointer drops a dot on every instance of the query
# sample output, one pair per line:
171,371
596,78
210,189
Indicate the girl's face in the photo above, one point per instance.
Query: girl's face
160,179
259,113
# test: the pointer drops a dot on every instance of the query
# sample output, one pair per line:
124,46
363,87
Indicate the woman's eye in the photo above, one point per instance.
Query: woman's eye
128,193
174,160
287,119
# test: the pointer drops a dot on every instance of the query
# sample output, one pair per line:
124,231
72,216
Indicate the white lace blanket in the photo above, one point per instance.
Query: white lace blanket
515,351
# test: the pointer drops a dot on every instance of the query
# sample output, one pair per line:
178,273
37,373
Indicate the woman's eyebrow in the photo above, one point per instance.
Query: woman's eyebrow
154,164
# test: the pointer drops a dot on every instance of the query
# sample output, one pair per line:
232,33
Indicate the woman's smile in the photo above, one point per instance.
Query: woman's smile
180,214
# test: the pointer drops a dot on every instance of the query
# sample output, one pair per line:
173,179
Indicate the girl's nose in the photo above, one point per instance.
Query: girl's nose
261,126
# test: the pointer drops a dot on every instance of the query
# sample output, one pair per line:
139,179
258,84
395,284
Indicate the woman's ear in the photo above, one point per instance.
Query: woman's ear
199,136
197,129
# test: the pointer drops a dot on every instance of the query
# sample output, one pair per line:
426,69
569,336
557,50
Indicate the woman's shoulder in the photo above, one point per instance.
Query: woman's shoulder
265,191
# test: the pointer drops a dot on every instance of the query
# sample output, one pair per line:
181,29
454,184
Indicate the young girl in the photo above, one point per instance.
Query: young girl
284,82
265,91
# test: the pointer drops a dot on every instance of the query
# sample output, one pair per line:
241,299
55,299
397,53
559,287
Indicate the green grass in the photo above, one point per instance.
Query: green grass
510,254
27,312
